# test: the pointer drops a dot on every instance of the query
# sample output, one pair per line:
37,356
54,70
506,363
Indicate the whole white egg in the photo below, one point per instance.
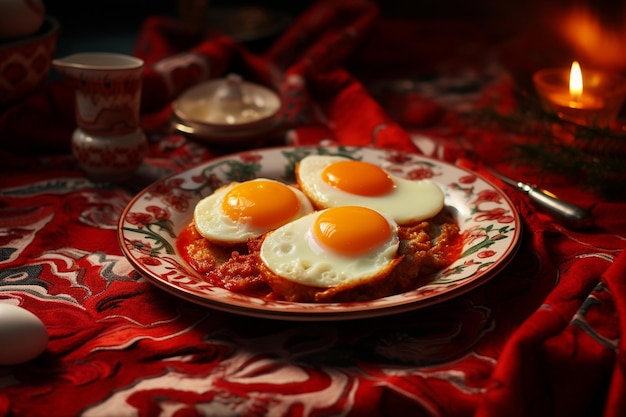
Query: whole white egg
23,335
20,17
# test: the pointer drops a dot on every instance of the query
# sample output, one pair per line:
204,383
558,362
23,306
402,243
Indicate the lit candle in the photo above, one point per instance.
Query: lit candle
586,98
574,96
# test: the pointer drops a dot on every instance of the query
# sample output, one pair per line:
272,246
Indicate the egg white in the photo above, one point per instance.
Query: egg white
216,226
293,253
410,201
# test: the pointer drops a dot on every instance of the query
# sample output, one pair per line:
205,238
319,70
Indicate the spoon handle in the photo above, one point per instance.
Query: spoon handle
566,213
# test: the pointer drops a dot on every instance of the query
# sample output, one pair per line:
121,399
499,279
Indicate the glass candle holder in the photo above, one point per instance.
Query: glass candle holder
597,105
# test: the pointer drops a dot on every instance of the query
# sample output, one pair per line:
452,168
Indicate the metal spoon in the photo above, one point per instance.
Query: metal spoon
566,213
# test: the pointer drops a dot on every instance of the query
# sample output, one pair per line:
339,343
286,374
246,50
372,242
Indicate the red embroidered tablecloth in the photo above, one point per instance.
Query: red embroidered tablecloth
543,337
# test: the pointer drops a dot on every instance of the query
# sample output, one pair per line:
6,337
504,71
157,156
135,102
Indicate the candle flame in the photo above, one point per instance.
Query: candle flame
575,81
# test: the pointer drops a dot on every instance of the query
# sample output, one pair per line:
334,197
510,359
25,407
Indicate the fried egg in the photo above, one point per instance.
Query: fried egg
340,246
244,210
331,181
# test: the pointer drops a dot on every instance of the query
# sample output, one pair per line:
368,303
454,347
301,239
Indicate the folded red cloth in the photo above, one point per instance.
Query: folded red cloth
304,66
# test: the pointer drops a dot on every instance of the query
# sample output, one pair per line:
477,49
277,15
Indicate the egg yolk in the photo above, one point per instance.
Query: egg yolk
262,204
358,177
351,230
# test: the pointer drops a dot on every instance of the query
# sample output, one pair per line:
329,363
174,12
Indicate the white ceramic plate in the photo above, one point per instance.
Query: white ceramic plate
153,219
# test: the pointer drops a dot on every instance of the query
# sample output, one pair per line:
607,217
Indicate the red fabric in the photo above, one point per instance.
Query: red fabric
542,338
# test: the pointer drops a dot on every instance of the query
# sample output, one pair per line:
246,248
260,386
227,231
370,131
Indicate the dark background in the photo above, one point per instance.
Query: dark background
112,25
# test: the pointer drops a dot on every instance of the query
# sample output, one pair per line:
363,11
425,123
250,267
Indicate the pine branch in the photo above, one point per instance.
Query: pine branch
595,156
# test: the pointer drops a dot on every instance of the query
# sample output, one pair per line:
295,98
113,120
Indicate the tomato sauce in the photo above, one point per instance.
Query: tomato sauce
428,247
234,268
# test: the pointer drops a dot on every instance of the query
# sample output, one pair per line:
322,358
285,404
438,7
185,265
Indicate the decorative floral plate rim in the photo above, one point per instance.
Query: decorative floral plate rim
151,221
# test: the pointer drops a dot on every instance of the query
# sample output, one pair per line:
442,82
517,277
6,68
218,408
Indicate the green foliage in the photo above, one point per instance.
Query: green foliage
593,156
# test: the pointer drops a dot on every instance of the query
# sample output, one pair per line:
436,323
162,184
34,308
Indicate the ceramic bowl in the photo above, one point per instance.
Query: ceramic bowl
25,62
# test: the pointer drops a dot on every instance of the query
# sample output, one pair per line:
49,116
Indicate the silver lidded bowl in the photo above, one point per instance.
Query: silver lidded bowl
226,110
